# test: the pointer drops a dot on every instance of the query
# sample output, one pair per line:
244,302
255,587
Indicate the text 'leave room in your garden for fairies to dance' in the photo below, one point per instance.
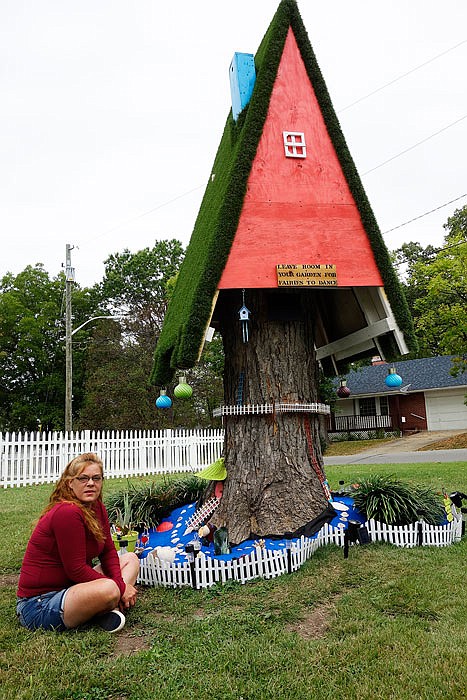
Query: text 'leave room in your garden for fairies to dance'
311,275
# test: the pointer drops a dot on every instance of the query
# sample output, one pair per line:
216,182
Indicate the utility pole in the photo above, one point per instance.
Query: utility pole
69,281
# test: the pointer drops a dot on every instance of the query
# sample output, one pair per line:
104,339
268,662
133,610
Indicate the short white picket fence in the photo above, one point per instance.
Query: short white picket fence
265,563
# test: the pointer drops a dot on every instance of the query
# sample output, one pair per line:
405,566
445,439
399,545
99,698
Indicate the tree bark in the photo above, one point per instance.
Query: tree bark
272,461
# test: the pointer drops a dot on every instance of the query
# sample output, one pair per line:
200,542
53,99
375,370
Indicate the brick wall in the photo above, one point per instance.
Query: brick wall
410,404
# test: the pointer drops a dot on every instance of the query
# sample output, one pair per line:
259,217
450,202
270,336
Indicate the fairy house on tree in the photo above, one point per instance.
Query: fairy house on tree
287,262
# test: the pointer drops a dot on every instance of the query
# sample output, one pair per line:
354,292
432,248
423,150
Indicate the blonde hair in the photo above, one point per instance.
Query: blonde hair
64,493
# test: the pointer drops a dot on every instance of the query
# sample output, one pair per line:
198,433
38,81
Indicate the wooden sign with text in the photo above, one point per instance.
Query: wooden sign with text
312,275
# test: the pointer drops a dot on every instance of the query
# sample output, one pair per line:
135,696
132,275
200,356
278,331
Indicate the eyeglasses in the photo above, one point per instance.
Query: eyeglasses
84,479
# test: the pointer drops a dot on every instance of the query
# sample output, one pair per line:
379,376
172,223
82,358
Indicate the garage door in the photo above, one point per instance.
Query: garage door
445,410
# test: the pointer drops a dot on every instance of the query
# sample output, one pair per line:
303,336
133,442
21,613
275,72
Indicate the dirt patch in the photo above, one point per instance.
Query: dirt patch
456,442
199,614
128,643
9,580
315,624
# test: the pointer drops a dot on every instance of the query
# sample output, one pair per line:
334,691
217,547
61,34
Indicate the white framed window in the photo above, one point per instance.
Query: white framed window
367,406
294,144
373,406
384,405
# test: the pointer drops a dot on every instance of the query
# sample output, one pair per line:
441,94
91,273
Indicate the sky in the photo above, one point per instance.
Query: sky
111,112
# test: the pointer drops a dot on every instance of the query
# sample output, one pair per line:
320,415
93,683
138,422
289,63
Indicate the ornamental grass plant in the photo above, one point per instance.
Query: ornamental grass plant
385,498
148,503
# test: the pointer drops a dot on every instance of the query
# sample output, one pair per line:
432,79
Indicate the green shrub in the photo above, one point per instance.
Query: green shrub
389,500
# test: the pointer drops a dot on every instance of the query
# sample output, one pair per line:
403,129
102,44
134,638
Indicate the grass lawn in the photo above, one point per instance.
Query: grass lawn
353,447
386,623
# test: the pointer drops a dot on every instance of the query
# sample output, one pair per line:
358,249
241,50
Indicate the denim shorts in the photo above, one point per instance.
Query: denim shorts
43,611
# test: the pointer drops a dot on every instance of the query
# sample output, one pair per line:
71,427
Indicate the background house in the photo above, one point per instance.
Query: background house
430,398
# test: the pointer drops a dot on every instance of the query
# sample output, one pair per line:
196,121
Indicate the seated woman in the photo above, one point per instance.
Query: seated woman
58,587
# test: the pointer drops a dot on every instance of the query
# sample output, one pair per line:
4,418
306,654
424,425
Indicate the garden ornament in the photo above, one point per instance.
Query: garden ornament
221,541
393,379
244,315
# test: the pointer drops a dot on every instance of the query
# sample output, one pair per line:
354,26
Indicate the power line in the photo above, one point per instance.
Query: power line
400,77
434,251
415,145
194,189
360,99
441,206
145,213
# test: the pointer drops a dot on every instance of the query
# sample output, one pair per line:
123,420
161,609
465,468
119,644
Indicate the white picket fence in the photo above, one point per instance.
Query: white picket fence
40,458
206,571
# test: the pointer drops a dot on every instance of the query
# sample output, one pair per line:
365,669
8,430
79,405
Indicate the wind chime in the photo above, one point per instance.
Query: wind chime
244,315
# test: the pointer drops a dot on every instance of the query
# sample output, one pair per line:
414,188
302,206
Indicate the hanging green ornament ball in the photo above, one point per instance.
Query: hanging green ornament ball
183,390
163,401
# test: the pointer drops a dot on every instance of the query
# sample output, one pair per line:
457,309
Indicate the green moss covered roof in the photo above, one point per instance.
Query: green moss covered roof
190,307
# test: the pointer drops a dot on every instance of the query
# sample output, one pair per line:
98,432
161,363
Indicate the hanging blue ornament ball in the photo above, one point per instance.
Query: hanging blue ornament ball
163,401
183,390
393,379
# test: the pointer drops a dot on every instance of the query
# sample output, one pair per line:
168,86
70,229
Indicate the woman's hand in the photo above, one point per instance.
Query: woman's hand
128,598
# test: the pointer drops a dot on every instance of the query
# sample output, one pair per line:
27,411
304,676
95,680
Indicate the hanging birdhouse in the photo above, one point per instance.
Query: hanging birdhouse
343,390
183,390
163,401
393,380
244,315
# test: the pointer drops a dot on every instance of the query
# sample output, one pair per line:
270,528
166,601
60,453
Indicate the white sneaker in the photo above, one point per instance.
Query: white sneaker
112,621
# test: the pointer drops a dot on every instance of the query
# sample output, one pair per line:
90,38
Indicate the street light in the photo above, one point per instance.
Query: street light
69,367
95,318
69,333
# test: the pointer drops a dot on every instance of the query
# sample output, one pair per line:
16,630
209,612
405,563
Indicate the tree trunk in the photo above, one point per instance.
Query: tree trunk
273,461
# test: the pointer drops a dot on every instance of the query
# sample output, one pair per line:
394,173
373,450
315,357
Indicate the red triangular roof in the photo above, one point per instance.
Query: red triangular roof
298,211
261,209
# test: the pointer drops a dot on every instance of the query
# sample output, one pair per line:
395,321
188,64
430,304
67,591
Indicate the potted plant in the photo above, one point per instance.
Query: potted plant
122,525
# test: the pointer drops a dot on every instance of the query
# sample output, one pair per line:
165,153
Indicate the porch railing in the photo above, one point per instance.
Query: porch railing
348,424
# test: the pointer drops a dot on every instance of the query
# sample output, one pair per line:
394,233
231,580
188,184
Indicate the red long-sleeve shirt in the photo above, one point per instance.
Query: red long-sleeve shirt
61,549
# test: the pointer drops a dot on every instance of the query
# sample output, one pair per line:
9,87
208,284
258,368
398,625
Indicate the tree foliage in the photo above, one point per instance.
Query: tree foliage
136,283
116,392
118,395
112,359
32,348
436,290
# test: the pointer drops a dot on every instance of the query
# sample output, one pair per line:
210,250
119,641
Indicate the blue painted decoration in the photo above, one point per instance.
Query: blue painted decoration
241,381
242,76
177,538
